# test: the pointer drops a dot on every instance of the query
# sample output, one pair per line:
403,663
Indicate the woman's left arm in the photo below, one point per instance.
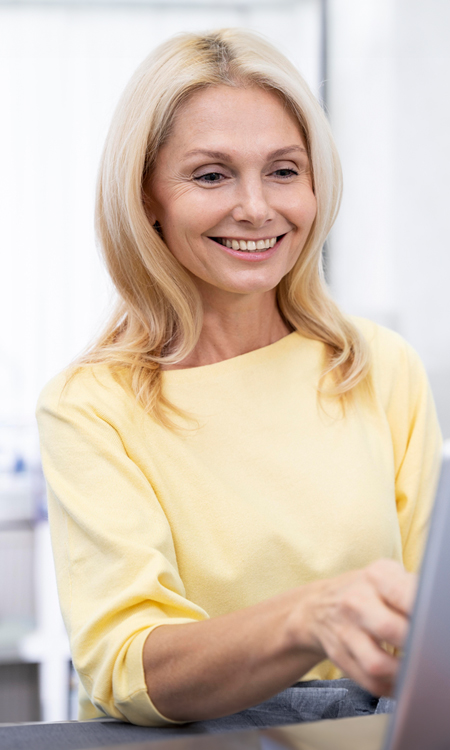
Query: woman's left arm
417,446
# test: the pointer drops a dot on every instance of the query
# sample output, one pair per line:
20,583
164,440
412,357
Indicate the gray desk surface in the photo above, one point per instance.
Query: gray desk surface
359,733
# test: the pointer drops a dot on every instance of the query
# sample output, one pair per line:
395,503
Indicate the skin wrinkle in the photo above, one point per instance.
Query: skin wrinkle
222,156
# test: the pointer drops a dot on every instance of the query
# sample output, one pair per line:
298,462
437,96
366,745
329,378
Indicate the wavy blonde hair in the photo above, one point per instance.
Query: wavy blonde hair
158,317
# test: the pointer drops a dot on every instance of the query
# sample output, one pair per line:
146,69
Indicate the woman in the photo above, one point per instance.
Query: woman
234,458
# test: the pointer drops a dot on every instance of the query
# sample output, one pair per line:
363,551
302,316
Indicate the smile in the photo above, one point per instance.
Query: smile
248,246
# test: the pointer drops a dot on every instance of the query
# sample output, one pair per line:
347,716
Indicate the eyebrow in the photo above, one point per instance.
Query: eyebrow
222,156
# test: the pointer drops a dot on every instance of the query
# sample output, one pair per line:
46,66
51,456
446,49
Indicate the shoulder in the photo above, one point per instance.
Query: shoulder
381,340
88,388
395,364
388,348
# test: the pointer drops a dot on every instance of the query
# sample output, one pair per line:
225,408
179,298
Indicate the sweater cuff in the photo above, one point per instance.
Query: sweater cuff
136,706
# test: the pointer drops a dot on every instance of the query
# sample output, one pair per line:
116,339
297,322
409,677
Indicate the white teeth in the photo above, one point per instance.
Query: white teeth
249,246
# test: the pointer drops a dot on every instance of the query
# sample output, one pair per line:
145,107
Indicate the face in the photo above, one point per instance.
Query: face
232,190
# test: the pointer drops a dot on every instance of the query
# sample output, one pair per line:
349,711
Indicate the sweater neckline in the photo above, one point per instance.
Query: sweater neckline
249,359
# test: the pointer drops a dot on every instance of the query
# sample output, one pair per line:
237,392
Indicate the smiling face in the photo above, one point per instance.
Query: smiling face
232,190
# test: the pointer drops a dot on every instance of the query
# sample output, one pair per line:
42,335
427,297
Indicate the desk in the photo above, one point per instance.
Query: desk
358,733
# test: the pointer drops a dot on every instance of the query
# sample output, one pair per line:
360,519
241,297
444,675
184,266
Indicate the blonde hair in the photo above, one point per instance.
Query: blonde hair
158,317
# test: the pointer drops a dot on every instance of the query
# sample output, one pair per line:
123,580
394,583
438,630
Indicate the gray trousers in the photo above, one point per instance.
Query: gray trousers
304,701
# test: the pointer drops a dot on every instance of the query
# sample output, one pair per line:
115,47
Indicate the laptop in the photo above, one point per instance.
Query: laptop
422,717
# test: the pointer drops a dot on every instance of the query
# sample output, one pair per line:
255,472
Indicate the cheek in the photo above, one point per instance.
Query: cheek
182,228
308,205
312,212
308,213
190,219
299,207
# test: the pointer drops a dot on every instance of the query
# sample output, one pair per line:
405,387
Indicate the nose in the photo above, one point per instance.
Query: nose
252,203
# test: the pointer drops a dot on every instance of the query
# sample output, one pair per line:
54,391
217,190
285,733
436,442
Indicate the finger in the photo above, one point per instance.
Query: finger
363,607
384,624
368,664
376,685
395,585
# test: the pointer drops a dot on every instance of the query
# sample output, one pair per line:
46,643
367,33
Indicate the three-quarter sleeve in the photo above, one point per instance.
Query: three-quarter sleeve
416,439
417,452
115,560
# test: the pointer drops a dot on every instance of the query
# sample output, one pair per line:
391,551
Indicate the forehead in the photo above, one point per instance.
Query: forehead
233,118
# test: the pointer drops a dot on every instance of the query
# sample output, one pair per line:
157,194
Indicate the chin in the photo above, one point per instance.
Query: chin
255,286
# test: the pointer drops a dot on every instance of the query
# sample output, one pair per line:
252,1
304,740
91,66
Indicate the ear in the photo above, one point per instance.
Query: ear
158,228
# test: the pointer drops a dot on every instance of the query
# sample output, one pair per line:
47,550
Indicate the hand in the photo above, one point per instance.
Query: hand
351,619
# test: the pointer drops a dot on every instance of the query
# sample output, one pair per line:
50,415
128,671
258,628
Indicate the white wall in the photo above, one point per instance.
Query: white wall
422,143
390,111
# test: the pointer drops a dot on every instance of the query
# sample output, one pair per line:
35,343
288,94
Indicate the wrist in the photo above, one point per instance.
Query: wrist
301,631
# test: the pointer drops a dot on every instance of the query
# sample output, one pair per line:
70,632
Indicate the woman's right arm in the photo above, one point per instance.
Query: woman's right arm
216,667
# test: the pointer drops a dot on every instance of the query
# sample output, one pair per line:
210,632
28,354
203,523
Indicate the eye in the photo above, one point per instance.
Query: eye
285,173
209,178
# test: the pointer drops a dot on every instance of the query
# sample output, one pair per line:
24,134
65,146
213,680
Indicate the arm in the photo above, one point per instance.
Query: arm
417,443
114,554
213,668
404,394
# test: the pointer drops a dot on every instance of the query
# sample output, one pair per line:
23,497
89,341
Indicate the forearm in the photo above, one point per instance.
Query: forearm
220,666
217,667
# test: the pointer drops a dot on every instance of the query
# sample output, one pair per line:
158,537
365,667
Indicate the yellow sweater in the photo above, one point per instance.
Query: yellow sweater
270,492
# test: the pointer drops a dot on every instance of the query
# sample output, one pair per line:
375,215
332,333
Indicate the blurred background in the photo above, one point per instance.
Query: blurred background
381,70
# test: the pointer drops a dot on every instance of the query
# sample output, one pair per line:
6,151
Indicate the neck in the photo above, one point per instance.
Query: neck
234,325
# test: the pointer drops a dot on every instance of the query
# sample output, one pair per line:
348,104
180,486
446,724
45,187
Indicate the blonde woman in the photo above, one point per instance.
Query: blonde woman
239,476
